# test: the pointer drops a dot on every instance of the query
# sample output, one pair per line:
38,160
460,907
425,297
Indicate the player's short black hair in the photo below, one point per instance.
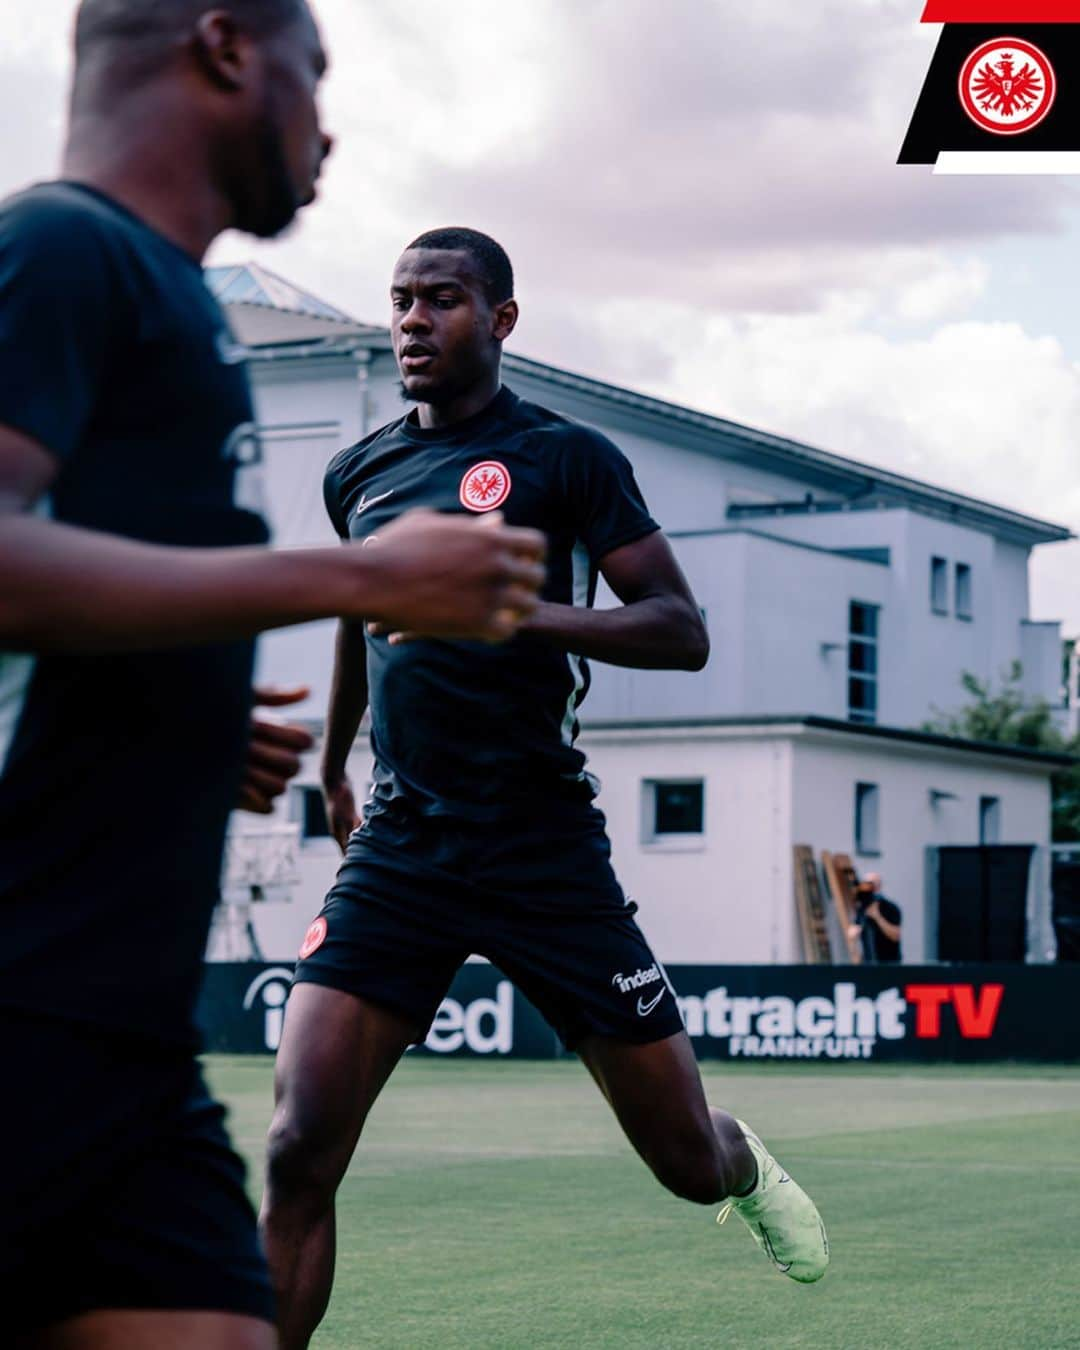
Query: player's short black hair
491,258
150,27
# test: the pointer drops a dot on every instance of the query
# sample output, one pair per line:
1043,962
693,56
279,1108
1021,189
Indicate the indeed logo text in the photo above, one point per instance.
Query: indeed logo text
640,978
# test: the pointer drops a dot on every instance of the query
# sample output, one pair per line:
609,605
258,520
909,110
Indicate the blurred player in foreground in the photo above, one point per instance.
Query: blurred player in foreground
481,834
131,585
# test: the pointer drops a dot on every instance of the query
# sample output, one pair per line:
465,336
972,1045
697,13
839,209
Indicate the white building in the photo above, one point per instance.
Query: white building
843,602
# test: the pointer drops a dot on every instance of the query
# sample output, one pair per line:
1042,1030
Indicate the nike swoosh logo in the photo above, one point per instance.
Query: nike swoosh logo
365,501
781,1266
644,1009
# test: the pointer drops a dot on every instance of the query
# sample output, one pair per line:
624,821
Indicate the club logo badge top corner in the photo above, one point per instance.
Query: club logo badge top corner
1007,86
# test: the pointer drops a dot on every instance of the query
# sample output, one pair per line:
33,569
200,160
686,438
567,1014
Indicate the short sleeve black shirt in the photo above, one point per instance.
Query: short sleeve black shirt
464,729
117,772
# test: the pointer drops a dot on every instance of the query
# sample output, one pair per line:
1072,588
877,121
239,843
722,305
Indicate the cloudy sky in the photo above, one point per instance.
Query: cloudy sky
701,200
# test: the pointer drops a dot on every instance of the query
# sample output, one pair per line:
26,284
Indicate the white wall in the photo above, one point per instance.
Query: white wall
307,411
826,770
929,652
725,897
777,614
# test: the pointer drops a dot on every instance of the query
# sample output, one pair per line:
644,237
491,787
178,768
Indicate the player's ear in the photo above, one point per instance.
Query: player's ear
505,317
222,50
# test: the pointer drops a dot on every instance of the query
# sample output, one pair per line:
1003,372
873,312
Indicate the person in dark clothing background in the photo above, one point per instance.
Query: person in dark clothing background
877,922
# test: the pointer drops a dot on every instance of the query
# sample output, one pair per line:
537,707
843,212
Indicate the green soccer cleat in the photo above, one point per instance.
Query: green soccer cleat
782,1217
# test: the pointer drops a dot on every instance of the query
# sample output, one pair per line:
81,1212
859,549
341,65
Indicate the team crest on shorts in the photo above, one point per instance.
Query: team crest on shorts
486,486
1007,86
313,938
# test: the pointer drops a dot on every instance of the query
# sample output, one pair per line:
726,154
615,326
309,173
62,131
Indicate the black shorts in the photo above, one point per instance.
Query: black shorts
417,895
120,1188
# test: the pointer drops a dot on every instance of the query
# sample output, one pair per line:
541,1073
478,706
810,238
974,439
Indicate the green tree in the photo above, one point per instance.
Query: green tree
1003,716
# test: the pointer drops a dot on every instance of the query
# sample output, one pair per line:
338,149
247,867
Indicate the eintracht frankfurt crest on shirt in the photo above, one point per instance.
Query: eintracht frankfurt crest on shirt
486,486
1003,91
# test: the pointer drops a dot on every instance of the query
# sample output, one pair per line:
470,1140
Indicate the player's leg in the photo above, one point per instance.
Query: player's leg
696,1151
702,1153
337,1051
593,975
161,1330
374,968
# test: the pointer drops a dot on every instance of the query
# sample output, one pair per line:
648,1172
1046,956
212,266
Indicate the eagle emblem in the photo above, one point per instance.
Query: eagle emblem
486,486
1007,86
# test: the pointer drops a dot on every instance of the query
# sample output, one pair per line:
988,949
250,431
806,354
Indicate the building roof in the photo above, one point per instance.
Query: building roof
803,722
251,284
852,484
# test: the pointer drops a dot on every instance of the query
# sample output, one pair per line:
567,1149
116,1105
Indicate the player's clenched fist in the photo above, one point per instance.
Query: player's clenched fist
454,576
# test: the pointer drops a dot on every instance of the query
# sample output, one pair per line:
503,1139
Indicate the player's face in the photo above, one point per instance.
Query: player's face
286,147
444,328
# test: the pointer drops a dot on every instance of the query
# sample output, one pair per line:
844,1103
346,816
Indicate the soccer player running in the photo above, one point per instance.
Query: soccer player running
131,584
481,834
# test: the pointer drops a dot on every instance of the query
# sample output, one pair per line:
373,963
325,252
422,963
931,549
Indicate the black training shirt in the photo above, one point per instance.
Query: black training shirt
466,729
117,772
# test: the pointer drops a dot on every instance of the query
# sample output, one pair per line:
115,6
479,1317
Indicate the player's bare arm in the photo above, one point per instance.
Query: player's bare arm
658,626
63,588
348,702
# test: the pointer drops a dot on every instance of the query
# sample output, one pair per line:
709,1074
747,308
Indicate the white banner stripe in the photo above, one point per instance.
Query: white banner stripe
1008,161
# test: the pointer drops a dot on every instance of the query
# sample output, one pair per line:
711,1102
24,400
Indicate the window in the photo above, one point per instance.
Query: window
989,820
963,591
867,832
862,662
673,812
939,585
310,811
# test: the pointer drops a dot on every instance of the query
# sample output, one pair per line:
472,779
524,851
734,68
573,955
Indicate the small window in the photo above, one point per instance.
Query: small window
867,832
939,585
963,591
673,812
989,820
680,808
862,661
309,811
862,700
864,620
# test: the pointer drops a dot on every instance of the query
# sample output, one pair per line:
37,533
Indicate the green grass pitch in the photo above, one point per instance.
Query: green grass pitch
495,1206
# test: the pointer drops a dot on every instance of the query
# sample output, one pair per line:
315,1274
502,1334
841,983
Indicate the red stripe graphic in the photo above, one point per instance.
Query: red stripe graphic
1002,11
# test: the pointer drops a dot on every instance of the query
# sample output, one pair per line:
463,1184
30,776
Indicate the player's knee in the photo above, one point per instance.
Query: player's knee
299,1167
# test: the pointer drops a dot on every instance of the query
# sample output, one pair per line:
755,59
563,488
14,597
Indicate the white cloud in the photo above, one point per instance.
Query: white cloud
983,408
700,198
943,291
737,157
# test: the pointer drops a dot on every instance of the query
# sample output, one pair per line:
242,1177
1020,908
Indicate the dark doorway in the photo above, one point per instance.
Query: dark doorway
981,896
1066,889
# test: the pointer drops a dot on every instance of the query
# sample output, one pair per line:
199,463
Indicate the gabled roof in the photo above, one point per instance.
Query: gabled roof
853,484
252,284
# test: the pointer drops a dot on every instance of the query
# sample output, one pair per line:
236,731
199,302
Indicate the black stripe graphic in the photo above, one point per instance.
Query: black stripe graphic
940,122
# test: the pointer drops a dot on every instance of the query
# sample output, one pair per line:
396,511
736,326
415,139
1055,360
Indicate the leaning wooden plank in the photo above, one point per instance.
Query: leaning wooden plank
841,877
811,908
